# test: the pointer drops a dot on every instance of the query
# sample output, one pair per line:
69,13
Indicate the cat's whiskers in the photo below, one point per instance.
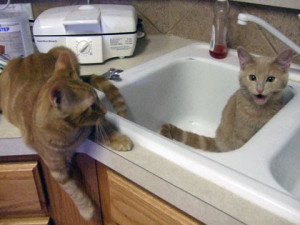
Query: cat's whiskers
101,135
97,133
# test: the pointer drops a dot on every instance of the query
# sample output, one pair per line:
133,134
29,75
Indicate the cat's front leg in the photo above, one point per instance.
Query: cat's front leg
113,138
67,176
120,142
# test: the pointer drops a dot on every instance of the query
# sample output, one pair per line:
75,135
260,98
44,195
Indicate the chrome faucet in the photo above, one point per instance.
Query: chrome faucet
243,19
113,74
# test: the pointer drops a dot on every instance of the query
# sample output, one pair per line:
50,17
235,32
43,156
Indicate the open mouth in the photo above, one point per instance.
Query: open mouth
260,98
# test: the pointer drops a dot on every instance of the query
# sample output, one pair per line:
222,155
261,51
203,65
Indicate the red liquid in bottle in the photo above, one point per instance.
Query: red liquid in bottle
219,52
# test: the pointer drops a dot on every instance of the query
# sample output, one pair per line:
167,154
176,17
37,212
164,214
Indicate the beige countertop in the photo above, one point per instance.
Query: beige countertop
196,196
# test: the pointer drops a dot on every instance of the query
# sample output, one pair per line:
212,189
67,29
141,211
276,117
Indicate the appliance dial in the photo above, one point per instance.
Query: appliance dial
84,47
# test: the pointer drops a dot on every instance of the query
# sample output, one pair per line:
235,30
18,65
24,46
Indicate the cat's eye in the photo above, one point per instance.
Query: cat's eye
252,77
270,79
94,106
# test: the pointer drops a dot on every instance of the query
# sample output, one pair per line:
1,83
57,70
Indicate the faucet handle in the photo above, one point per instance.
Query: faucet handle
113,74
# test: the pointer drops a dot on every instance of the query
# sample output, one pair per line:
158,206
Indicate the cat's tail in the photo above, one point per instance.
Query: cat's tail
110,90
194,140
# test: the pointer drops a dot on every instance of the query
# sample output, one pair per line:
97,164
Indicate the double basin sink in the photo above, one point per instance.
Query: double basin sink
189,89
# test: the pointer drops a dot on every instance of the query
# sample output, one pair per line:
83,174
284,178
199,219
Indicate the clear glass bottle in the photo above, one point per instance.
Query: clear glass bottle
218,43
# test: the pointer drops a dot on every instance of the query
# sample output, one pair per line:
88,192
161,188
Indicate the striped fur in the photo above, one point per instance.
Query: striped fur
44,96
188,138
112,92
260,97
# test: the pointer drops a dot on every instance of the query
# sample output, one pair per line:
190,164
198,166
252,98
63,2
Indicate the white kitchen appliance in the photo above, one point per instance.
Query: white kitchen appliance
94,32
15,36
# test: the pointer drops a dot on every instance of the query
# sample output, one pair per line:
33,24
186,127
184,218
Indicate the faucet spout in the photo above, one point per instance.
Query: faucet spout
243,19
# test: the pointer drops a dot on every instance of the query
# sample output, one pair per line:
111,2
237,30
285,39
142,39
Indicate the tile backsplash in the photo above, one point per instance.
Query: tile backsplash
192,19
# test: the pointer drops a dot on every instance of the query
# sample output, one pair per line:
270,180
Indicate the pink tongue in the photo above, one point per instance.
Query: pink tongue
260,98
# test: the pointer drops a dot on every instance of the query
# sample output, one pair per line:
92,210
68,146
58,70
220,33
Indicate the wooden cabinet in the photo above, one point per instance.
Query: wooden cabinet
26,221
29,196
21,193
125,203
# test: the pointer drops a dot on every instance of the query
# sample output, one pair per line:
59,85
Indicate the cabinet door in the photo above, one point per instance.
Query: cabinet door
125,203
21,191
26,221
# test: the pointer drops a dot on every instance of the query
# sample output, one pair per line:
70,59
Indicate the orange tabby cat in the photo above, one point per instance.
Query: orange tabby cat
260,97
55,110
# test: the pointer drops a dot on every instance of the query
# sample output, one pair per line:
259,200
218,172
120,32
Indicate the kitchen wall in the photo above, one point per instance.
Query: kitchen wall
193,18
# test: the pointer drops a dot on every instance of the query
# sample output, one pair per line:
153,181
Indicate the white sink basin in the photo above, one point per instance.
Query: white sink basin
285,166
189,93
190,89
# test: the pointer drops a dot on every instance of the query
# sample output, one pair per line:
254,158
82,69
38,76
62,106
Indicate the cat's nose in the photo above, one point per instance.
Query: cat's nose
260,90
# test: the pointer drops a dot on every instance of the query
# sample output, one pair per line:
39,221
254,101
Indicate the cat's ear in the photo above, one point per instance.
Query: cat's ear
63,62
244,57
284,59
57,95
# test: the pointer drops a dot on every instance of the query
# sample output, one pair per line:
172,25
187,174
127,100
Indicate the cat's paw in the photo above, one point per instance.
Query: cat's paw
121,143
166,130
88,211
